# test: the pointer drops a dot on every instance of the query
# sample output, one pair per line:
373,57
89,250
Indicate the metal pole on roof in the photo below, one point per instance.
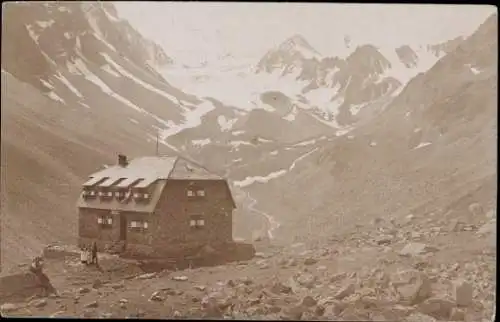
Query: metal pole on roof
157,146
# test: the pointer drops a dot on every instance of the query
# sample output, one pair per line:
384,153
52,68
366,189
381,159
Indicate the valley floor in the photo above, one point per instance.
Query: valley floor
404,269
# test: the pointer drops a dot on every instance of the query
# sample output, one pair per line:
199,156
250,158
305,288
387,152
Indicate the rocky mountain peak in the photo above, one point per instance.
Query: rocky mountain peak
368,58
407,56
50,35
297,43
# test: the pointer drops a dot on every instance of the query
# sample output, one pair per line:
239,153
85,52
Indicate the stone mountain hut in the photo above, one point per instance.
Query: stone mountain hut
155,206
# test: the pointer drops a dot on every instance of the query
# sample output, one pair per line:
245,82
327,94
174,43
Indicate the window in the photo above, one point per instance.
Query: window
105,194
196,221
142,196
105,221
88,193
120,195
194,192
138,224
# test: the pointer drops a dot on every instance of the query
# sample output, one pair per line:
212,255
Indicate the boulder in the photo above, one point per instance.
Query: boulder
413,286
200,287
38,303
462,293
413,249
306,280
383,240
146,276
157,297
338,277
260,255
9,307
263,264
345,291
476,209
457,314
83,290
92,304
419,317
294,313
310,261
97,284
437,308
488,228
279,288
309,301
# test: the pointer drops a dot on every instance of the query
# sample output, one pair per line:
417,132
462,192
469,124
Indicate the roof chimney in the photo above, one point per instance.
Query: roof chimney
122,160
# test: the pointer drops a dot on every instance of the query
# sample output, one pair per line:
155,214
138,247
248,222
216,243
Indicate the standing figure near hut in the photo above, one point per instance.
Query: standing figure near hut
84,255
94,254
36,265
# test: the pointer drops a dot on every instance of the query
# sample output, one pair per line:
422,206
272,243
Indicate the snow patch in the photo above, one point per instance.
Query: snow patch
55,97
108,69
356,108
421,145
275,152
65,81
474,70
104,41
79,66
321,96
236,144
201,143
47,84
343,132
237,132
259,139
45,24
273,175
425,60
110,16
245,85
121,70
373,143
67,35
250,180
192,119
290,117
32,33
133,120
78,43
305,143
225,124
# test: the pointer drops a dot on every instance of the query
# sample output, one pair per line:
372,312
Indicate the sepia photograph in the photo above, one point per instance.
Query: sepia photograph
249,160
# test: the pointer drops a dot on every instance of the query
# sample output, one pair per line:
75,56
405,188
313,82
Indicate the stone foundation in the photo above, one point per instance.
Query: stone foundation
193,254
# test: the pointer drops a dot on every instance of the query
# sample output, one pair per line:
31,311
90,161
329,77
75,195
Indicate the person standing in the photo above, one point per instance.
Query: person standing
94,253
83,255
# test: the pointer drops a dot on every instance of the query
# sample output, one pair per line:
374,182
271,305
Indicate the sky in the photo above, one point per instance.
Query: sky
191,32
